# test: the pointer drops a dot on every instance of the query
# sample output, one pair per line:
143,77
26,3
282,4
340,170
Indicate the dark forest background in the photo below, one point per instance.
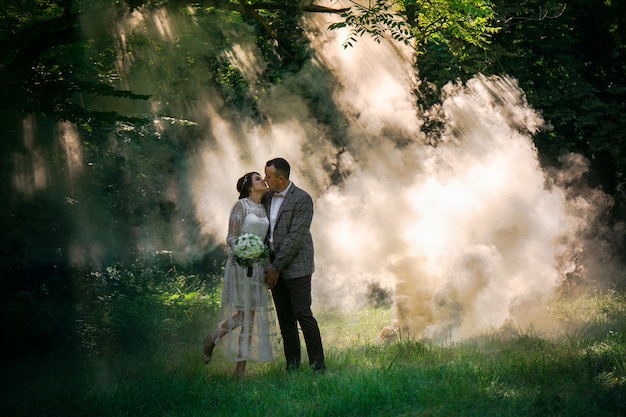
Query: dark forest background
569,58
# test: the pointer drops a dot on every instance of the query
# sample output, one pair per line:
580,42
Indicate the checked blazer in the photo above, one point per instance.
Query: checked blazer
293,244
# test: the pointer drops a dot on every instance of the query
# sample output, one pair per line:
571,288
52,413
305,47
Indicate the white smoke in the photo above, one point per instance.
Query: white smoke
471,235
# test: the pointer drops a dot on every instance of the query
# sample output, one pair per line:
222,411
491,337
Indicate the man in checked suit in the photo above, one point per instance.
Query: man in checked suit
290,210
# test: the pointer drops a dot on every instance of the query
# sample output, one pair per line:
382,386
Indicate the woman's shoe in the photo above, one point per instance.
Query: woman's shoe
207,349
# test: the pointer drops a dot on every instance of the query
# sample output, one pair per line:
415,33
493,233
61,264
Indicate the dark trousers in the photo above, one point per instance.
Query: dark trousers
292,298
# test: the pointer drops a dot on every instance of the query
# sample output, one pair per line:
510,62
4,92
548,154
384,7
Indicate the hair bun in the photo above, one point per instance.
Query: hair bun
241,183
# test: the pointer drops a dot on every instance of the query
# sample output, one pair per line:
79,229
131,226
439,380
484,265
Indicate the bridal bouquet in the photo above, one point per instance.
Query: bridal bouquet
249,248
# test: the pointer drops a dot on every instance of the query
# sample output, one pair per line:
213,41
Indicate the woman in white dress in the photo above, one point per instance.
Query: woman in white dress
247,328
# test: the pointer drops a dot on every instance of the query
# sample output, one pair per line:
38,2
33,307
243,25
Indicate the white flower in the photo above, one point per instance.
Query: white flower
248,248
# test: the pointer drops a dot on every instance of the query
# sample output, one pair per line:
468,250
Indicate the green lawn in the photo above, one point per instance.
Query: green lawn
582,373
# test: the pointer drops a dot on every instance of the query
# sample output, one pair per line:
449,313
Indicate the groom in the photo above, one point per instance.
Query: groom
290,210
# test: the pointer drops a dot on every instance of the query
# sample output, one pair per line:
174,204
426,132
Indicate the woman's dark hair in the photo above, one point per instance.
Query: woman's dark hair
281,165
244,184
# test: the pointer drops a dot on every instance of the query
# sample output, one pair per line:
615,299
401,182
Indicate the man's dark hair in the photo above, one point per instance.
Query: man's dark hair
281,165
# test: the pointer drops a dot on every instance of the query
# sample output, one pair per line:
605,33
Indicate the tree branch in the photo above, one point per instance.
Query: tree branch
296,8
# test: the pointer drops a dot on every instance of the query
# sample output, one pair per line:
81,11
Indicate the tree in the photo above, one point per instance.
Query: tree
41,69
418,23
570,59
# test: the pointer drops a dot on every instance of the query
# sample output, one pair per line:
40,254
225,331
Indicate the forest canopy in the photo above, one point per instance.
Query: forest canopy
568,56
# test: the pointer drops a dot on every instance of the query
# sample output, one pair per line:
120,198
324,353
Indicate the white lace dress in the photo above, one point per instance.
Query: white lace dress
248,318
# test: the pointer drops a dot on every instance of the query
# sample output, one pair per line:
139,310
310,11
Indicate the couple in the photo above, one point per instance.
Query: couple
283,215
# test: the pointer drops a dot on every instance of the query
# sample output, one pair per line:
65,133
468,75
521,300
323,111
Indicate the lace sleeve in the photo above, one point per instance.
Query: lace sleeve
237,215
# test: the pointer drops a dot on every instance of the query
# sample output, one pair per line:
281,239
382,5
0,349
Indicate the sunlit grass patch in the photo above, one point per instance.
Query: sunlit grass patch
345,328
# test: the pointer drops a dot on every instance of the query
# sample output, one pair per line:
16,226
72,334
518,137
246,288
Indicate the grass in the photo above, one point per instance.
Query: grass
581,373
